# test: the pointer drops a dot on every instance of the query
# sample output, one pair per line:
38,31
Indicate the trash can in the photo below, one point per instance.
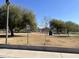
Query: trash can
50,33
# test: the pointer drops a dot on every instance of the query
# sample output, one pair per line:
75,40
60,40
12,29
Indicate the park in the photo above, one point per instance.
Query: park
18,26
38,39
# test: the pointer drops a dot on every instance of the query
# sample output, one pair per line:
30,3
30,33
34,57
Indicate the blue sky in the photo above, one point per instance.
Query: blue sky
67,10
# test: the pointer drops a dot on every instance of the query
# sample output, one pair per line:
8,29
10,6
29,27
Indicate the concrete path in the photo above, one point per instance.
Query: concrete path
4,53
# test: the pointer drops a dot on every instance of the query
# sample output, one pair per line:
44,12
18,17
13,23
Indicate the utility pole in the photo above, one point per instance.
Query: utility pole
7,22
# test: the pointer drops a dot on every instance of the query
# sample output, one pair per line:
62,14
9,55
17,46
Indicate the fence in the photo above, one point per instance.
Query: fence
42,39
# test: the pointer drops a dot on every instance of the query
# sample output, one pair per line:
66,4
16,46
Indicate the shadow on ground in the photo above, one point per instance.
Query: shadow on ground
40,48
3,36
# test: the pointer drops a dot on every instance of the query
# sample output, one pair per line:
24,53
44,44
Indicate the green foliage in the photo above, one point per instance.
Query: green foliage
18,18
58,24
29,19
71,26
64,26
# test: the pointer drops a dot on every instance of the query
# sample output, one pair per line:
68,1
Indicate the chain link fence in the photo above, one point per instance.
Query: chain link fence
42,39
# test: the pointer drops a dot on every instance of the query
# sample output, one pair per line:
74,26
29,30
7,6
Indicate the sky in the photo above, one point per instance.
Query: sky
66,10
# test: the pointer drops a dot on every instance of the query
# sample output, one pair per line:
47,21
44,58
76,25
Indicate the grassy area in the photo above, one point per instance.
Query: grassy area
39,39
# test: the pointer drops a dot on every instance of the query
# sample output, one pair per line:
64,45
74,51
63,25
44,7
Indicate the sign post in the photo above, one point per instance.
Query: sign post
27,31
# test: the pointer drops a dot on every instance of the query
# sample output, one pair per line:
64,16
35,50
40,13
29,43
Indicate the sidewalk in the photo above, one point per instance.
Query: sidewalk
34,54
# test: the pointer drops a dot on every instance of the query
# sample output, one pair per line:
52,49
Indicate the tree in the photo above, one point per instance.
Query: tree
17,18
62,26
71,26
58,24
29,19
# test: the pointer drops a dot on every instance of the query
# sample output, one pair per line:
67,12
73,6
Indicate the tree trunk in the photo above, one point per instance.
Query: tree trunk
12,34
57,30
68,32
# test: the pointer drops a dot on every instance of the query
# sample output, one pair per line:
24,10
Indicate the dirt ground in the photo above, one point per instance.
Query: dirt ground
39,39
